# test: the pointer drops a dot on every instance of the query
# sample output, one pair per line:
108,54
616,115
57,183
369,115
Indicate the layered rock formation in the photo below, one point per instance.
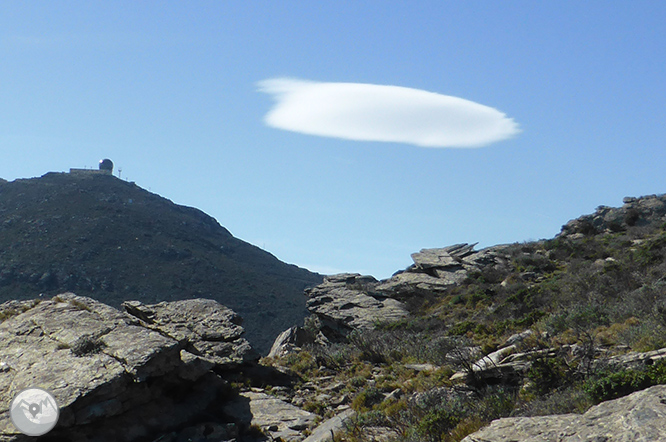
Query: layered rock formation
639,417
350,301
347,302
436,270
151,371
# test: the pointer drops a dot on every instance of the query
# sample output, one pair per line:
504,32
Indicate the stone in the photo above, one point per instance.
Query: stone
636,359
348,302
434,258
289,341
408,283
517,338
204,326
422,367
639,417
327,430
279,418
117,376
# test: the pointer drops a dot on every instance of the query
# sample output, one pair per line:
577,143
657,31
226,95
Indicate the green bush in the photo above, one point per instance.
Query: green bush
366,399
547,374
612,384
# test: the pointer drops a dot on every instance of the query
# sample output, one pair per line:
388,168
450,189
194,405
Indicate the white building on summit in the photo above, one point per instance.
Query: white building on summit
105,168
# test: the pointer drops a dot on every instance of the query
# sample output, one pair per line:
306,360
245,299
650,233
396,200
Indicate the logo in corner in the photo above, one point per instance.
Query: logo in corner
34,411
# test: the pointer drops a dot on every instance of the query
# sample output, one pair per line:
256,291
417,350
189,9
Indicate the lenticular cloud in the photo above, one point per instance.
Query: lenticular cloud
371,112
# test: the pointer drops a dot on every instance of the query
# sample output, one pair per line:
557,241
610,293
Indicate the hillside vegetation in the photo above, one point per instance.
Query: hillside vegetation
563,324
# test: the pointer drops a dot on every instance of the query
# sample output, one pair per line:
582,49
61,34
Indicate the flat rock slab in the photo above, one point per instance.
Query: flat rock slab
330,428
279,418
639,417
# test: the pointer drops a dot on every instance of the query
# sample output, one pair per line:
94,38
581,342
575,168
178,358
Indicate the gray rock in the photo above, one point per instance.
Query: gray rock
277,417
434,258
203,326
330,428
117,376
349,302
436,270
518,337
422,367
409,283
639,417
289,341
636,359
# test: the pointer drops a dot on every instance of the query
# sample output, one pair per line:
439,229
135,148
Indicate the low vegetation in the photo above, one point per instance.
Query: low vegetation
597,293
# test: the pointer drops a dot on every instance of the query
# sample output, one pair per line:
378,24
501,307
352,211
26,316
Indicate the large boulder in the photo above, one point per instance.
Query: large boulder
347,302
639,417
291,340
119,376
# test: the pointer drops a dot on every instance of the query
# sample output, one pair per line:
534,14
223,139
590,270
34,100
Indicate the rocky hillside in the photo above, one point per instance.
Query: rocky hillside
554,340
561,339
108,239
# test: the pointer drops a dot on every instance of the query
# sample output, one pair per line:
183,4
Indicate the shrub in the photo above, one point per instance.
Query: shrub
632,216
546,374
87,345
366,399
612,384
437,423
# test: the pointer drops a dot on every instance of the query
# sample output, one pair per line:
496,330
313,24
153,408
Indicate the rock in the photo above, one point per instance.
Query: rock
279,418
349,302
118,376
409,284
435,258
507,365
639,417
634,360
290,340
436,270
422,367
327,430
518,337
649,209
204,326
394,395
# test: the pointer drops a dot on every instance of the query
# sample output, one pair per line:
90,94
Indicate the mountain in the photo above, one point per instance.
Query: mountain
98,236
556,339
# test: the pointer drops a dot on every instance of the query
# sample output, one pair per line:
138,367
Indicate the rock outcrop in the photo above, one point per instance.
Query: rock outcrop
436,270
350,301
152,371
274,416
347,302
290,340
639,417
641,211
329,429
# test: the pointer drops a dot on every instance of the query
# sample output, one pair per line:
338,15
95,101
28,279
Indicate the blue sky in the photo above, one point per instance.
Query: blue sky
171,92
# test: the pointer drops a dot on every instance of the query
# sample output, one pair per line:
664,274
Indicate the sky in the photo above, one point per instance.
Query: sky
342,136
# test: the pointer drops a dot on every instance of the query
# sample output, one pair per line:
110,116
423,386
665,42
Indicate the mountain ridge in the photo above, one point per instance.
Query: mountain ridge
99,236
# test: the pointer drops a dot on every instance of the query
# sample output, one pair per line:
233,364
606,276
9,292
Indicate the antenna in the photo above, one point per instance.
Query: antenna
120,171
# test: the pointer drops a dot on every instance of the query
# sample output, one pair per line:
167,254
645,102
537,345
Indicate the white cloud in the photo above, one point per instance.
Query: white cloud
371,112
